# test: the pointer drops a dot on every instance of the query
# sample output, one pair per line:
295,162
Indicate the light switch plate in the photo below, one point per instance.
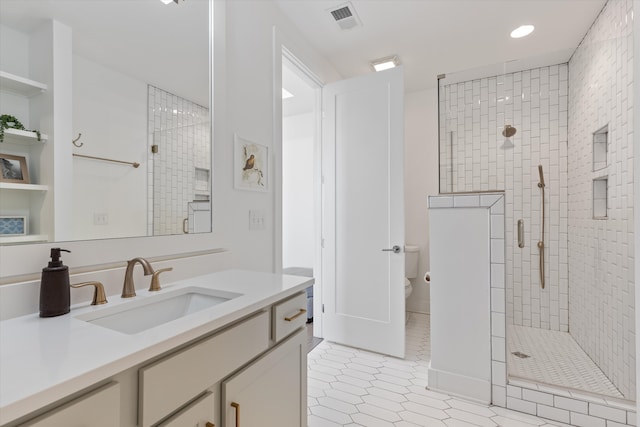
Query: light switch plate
256,220
100,219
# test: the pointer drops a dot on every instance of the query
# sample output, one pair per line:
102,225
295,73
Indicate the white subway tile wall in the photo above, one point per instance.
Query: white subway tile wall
601,266
181,130
476,157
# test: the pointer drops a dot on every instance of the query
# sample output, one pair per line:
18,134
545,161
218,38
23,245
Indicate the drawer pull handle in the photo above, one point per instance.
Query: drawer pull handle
210,424
300,313
237,408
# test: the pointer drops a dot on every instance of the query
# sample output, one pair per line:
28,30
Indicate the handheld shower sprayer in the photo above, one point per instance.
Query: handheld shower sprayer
541,241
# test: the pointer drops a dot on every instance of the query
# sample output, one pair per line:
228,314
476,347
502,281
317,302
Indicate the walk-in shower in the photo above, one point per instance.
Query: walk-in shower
569,309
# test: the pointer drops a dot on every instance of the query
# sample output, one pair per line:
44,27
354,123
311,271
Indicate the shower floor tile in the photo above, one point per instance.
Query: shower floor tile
555,359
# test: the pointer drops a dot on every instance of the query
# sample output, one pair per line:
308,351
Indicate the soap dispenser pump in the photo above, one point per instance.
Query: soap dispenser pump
55,295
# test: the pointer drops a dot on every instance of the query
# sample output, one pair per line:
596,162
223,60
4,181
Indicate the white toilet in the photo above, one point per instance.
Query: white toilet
411,258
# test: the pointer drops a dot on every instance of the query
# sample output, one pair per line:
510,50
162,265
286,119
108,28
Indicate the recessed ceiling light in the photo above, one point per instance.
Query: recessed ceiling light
522,31
385,63
166,1
286,94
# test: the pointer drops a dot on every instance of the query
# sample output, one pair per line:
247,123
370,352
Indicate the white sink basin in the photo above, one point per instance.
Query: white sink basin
147,313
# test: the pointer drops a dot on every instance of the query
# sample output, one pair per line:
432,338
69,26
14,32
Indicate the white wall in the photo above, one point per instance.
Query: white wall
14,59
243,103
298,191
420,181
250,113
110,110
601,254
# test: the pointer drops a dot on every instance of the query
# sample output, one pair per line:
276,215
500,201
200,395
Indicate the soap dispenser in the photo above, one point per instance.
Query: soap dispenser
55,295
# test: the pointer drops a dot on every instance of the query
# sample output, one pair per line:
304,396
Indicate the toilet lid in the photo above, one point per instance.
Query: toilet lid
407,282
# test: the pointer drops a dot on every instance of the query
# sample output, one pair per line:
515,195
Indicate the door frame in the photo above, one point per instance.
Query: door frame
281,53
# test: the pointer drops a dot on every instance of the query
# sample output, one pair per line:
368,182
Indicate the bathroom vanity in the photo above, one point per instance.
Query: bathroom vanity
242,356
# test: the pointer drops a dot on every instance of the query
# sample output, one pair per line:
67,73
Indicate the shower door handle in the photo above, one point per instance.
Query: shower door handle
396,249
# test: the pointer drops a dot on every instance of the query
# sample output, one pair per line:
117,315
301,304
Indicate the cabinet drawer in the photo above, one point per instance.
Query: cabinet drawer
171,382
99,408
200,413
289,315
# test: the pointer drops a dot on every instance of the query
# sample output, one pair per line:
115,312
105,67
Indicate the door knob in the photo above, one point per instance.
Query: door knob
395,249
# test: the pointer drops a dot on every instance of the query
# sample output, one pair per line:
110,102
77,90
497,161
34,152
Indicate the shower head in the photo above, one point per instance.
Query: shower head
541,184
509,131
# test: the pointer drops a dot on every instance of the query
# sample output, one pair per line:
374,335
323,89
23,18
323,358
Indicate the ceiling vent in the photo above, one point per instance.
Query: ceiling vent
345,16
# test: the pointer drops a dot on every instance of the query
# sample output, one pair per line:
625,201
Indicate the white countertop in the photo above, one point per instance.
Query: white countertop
43,360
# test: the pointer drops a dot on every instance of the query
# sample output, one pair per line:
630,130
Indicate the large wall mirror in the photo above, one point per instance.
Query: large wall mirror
114,99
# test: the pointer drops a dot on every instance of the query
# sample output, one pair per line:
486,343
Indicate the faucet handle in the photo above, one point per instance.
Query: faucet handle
98,294
155,279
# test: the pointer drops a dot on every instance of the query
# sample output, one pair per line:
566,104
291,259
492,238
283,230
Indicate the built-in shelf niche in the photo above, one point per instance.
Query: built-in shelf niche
600,198
30,238
20,85
600,142
23,187
23,137
202,178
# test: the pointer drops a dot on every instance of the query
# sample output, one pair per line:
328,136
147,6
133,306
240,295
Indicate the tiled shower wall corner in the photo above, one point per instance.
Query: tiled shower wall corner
181,130
601,261
476,157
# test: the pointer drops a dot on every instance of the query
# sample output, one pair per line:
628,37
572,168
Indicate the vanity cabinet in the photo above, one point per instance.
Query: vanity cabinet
171,382
200,413
272,391
100,408
257,361
266,356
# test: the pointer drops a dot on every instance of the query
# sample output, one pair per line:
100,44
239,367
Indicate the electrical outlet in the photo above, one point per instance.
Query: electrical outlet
100,219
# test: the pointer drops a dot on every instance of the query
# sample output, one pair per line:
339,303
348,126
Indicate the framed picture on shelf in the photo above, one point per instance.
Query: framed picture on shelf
13,169
13,225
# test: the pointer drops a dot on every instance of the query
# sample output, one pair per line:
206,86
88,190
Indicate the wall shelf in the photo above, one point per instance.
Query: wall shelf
600,196
600,142
23,137
20,85
23,187
24,239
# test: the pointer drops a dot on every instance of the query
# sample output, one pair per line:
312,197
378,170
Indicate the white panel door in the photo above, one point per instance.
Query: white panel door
363,158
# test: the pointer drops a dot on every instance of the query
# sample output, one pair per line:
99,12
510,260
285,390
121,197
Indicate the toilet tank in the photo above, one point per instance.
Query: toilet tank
411,258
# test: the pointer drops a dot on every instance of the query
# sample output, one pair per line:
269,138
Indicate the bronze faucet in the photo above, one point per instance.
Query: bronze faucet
98,294
155,279
129,290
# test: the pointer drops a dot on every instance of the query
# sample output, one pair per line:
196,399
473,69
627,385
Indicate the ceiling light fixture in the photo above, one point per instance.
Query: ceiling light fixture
286,94
522,31
385,63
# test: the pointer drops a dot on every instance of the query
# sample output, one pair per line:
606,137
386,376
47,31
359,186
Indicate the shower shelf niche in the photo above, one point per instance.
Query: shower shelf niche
600,198
600,142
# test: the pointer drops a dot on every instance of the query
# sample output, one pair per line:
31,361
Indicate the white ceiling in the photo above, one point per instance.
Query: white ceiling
443,36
